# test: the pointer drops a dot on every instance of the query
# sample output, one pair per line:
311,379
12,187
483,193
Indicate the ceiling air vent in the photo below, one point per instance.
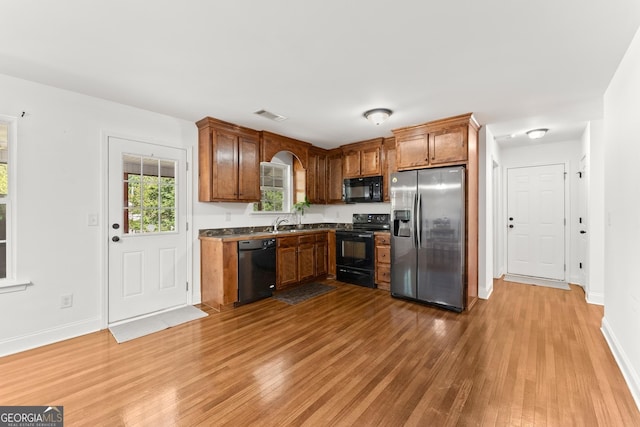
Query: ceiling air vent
271,116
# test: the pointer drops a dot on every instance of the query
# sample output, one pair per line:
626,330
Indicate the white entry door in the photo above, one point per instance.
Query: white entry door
147,228
536,222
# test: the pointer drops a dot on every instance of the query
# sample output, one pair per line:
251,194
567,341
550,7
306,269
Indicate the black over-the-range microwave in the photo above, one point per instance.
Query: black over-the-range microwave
363,190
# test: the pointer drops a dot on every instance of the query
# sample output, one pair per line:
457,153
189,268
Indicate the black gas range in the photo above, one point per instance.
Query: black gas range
355,249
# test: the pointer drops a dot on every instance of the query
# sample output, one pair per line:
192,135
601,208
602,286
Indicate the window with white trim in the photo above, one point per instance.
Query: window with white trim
275,188
4,197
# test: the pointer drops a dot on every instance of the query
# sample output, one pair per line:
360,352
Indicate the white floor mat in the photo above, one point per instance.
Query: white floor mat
157,322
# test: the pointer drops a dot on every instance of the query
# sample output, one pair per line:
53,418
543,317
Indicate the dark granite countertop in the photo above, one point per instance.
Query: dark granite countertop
265,231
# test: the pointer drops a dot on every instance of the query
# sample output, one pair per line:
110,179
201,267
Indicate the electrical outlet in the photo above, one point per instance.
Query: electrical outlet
66,301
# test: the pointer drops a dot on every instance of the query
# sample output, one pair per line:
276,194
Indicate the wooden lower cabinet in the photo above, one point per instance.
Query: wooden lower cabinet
287,264
219,273
301,258
383,260
321,249
306,258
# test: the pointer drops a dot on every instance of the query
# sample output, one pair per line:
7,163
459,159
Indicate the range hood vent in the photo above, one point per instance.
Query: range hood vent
271,116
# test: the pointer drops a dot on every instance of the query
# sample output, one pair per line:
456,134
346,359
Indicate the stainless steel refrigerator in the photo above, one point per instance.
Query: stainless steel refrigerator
428,236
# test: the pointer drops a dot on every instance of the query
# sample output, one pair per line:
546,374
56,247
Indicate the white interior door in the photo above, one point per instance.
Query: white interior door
536,222
147,228
582,224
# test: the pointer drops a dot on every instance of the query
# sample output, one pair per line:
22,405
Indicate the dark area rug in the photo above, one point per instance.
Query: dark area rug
302,293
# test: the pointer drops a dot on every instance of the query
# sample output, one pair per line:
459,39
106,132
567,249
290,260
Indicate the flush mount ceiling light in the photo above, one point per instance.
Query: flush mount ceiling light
537,133
377,115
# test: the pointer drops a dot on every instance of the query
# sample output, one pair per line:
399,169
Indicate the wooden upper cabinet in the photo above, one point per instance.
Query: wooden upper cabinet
370,159
362,158
351,163
248,169
229,162
448,145
412,150
334,176
317,176
273,143
388,165
441,142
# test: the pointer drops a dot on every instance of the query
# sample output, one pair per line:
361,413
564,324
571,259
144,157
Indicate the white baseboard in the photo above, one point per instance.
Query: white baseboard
628,372
529,280
596,298
485,293
49,336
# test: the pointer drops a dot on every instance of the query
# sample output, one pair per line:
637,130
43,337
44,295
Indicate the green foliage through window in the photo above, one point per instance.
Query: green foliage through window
150,202
273,188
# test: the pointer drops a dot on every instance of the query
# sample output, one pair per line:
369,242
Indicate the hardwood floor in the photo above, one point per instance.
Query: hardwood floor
355,356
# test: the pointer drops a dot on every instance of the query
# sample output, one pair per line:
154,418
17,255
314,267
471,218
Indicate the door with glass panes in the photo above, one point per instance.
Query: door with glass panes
147,228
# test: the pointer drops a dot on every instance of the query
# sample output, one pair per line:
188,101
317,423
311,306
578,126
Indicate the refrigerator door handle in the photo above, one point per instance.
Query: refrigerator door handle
419,221
415,220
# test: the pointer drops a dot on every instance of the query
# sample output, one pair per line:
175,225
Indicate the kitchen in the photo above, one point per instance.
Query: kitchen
60,252
368,175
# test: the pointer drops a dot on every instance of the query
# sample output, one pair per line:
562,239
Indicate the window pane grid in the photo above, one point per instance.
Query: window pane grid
4,198
150,196
273,188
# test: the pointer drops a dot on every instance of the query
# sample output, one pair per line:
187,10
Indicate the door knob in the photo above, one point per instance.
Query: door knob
510,218
583,232
510,225
115,226
115,238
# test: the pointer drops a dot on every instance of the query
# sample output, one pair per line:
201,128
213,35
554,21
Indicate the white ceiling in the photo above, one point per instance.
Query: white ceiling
516,64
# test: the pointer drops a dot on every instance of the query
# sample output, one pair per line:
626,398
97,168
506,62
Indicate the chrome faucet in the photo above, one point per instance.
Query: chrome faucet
277,222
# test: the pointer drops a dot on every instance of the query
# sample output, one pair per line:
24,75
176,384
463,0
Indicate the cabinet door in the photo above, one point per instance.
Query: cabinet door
287,266
388,166
351,165
316,177
322,267
225,166
321,179
448,145
312,178
306,261
383,277
370,161
412,151
335,180
248,169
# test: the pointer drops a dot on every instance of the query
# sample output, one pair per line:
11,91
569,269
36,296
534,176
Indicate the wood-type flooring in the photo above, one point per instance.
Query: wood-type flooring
528,356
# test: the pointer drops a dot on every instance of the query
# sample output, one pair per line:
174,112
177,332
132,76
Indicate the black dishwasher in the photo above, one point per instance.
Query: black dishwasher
256,269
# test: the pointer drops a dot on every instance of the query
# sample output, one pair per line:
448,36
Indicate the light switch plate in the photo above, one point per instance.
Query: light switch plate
92,219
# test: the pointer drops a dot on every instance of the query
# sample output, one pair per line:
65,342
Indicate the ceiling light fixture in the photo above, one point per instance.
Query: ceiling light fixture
377,115
537,133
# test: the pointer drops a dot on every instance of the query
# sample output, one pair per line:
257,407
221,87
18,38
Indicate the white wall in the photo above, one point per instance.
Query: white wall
60,176
60,181
593,150
569,152
621,323
487,149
